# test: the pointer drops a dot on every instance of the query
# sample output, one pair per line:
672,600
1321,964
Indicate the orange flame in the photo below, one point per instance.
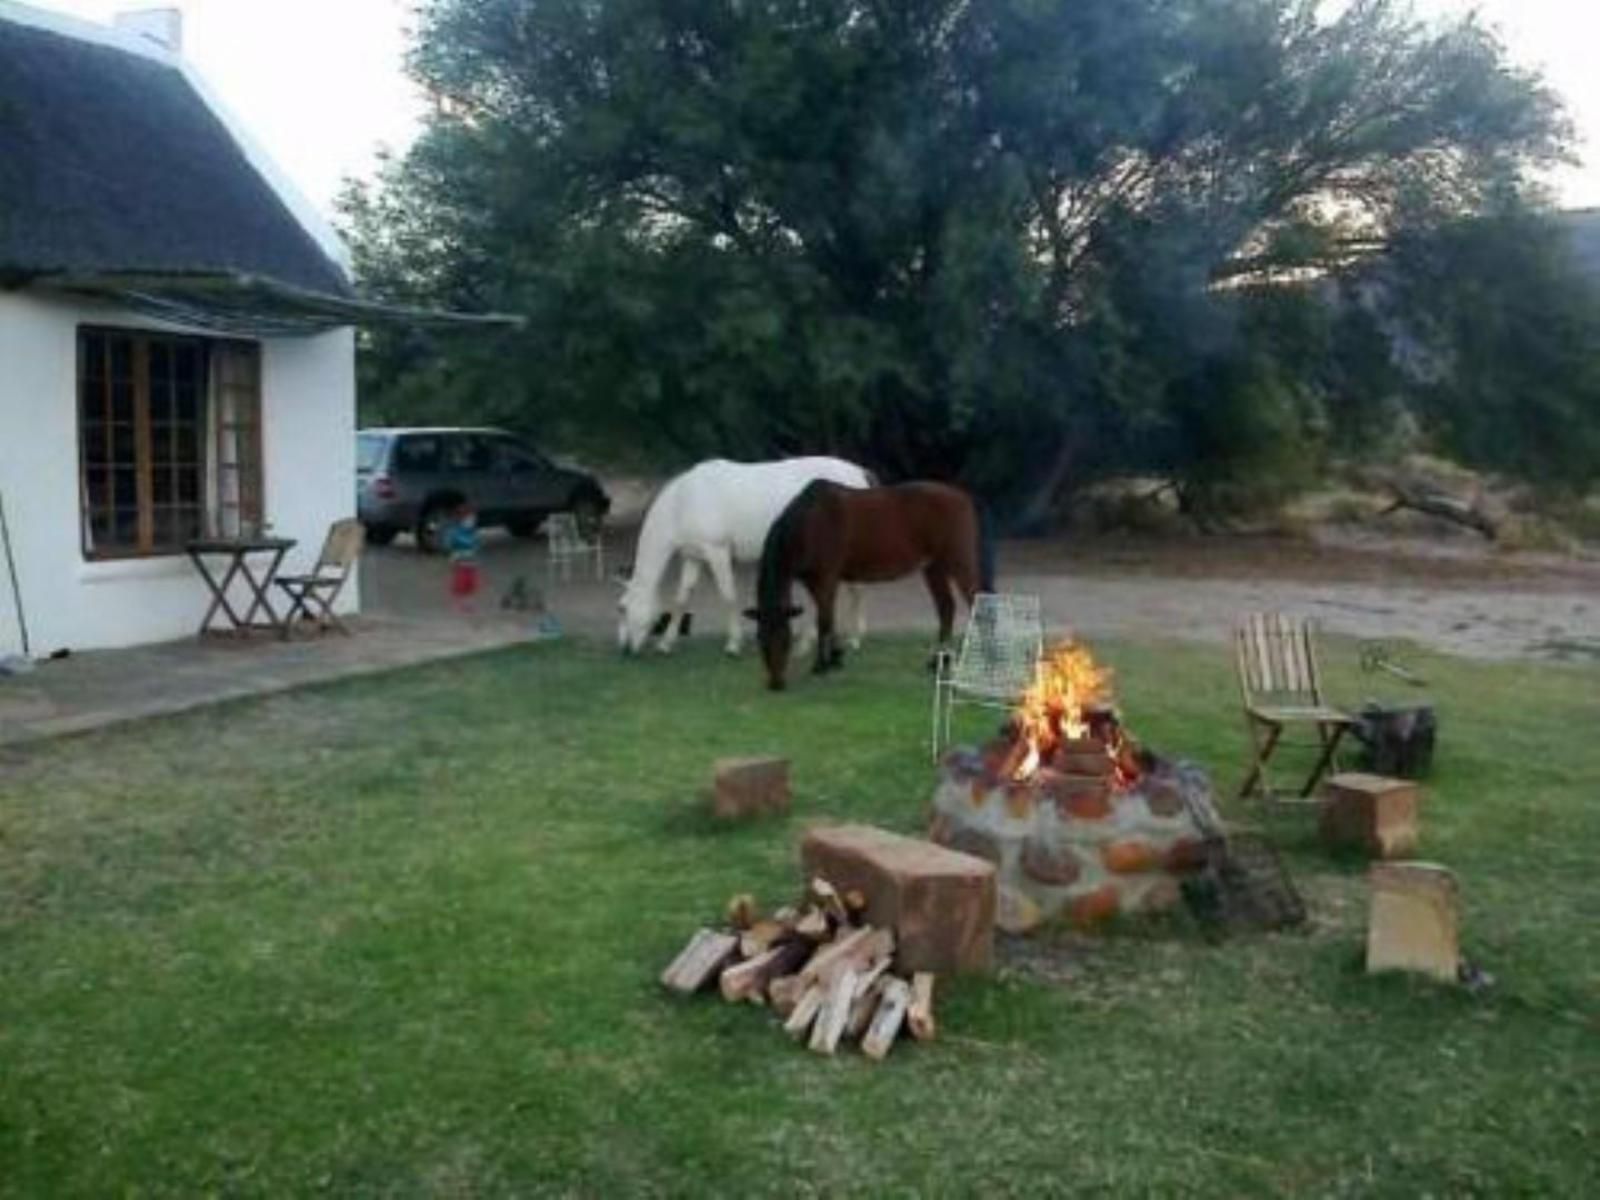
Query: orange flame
1067,685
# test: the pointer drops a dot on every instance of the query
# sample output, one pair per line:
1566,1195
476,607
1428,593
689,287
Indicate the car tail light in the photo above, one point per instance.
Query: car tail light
383,487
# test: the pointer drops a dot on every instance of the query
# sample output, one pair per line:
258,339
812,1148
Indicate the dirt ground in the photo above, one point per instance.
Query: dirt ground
1439,590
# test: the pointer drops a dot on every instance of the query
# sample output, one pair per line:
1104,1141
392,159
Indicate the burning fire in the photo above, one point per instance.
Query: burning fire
1070,702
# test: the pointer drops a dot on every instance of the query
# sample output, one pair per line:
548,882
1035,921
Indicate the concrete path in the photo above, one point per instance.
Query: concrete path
107,687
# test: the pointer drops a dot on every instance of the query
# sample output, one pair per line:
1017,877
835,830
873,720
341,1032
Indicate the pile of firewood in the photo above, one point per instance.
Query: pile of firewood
824,971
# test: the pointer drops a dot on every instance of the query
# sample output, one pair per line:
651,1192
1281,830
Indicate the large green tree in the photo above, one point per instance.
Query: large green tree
990,239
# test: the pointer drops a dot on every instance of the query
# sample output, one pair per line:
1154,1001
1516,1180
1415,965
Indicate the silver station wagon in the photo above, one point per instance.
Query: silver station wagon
410,480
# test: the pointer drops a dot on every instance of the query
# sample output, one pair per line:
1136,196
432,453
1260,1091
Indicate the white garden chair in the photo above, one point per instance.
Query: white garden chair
568,546
997,660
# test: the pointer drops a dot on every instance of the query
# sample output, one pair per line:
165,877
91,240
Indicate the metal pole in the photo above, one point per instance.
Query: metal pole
11,567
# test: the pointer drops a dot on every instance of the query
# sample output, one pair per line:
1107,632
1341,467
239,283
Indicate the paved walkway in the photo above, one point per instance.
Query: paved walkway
107,687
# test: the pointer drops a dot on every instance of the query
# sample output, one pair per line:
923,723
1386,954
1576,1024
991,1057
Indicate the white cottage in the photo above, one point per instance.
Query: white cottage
176,352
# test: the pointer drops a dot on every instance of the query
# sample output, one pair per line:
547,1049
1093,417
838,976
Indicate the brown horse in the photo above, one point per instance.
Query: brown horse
831,534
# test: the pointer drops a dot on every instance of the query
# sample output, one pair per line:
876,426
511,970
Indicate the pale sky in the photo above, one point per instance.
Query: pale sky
319,83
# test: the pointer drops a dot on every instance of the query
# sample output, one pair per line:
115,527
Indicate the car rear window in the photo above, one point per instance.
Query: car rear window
369,451
417,454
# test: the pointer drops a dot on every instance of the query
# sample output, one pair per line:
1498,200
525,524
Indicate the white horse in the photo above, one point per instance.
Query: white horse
715,514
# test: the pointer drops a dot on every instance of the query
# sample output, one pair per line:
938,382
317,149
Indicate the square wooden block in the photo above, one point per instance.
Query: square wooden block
1415,919
1371,813
940,903
749,787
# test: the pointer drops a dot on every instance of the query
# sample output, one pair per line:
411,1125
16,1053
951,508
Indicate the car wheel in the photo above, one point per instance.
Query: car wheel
430,527
526,527
380,535
588,514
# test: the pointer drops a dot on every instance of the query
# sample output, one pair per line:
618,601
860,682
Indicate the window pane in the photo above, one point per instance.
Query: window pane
94,442
161,442
124,528
125,487
417,454
121,359
186,403
160,365
163,487
123,445
369,451
190,521
189,486
122,400
187,449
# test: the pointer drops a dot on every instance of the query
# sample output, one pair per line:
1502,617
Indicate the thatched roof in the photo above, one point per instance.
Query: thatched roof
111,161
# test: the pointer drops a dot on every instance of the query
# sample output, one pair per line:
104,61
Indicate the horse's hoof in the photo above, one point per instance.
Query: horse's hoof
775,685
854,645
733,651
663,647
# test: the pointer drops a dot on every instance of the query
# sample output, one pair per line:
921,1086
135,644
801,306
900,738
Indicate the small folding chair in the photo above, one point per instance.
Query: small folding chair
567,546
312,596
1281,686
997,660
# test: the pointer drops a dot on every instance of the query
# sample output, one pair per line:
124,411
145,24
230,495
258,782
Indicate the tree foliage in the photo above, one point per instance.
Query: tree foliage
987,239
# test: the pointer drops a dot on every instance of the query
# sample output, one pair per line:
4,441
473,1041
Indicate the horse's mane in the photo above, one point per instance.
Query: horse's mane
772,577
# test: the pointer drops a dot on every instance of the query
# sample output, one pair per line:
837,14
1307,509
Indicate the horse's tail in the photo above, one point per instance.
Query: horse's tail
985,549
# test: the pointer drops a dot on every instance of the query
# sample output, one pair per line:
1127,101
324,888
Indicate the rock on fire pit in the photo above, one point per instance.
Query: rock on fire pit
1078,821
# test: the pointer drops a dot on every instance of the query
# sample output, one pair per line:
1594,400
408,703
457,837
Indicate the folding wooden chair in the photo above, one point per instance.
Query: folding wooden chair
997,660
1280,684
567,545
312,596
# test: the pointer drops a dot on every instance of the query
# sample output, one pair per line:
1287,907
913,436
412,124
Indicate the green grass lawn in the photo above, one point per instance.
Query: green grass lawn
401,936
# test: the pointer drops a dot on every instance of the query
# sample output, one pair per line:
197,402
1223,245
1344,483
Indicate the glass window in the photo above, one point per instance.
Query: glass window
369,451
142,428
417,453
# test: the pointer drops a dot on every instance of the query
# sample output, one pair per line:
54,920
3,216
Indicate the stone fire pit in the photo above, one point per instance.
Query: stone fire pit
1084,843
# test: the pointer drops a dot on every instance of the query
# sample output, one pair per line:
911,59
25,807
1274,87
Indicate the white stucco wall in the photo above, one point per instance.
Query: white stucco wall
308,429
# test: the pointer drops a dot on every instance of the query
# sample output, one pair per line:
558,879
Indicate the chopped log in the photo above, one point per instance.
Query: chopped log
886,1022
700,962
813,924
919,1013
805,1011
856,901
783,994
763,936
750,977
856,950
869,988
742,911
834,1013
826,897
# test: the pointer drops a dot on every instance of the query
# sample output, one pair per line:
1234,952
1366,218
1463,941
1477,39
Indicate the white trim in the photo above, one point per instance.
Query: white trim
84,31
121,570
316,226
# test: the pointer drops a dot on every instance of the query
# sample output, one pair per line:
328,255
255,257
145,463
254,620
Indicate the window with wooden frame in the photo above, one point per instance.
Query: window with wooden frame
169,441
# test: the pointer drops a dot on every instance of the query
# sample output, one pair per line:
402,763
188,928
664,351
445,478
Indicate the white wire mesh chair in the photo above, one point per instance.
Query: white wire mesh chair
997,660
567,546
